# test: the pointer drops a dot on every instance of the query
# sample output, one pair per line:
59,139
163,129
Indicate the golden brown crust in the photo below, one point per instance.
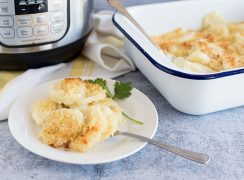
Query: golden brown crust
69,91
74,92
73,126
70,85
95,124
62,127
42,109
223,43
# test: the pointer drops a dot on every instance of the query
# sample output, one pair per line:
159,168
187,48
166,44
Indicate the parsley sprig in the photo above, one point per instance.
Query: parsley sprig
121,91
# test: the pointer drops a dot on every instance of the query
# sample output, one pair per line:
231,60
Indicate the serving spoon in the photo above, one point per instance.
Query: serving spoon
194,156
117,5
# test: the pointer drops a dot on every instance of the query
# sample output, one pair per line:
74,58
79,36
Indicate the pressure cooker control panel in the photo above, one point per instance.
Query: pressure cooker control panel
31,22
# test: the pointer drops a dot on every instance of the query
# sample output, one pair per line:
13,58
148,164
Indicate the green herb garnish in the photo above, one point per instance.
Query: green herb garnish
131,119
121,91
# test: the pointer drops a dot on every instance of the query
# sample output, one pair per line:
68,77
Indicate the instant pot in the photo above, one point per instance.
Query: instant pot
37,33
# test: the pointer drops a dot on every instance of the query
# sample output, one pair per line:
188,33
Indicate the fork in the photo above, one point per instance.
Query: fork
194,156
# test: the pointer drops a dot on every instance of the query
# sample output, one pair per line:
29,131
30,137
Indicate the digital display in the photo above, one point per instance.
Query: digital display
30,6
28,2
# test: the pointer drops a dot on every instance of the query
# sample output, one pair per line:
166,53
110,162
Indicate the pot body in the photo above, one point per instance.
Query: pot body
39,33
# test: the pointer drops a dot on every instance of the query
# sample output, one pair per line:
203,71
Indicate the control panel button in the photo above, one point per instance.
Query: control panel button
6,21
24,32
56,5
57,27
23,9
7,7
4,9
40,8
7,33
24,21
57,16
41,19
41,30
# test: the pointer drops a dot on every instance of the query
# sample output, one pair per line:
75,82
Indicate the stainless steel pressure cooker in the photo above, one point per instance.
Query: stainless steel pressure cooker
37,33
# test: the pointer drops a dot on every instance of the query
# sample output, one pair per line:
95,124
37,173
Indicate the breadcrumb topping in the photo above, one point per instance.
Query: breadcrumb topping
217,46
76,116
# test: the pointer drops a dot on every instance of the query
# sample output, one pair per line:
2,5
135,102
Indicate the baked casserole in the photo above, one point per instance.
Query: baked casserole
217,46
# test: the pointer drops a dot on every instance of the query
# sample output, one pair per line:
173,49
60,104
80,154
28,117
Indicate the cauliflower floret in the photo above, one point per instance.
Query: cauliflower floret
219,31
113,121
229,62
62,127
95,125
74,92
199,57
190,66
94,93
101,122
42,109
213,19
113,105
236,27
69,91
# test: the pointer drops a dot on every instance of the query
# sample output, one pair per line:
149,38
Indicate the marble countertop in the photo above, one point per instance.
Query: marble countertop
221,135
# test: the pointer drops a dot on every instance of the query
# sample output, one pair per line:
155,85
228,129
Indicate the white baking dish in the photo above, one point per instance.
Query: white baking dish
189,93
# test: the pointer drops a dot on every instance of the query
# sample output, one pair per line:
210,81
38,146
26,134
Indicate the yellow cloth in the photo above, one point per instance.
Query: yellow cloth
80,66
6,76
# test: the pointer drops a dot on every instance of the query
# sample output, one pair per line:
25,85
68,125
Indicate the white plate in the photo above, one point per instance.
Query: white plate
138,106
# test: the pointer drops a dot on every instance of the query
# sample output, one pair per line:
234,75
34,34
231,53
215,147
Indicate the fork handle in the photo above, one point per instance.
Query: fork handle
194,156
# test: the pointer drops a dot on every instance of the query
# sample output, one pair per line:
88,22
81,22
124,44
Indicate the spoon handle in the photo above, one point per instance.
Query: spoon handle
117,5
194,156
